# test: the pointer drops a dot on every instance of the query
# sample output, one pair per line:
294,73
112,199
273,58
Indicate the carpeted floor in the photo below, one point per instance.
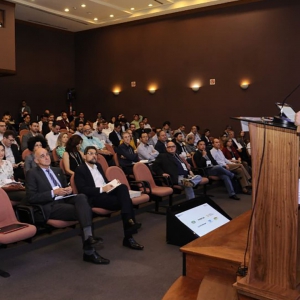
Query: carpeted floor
52,267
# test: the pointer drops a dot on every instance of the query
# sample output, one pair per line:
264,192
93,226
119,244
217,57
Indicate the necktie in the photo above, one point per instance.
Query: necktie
54,181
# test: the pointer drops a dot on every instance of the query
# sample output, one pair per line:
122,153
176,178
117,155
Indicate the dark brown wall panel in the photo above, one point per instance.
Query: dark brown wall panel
259,42
45,70
7,38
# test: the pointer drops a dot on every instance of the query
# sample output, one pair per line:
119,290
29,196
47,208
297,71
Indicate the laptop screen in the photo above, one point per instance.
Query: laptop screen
287,110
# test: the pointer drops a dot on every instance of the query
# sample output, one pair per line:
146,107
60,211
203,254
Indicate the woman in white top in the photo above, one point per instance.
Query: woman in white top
15,192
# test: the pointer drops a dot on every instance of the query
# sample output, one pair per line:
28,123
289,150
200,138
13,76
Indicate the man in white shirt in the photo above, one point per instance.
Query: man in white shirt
146,151
91,181
242,174
52,136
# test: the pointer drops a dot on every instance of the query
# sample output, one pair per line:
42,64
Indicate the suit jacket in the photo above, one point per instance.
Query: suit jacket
201,161
84,180
128,153
113,137
165,163
38,188
160,147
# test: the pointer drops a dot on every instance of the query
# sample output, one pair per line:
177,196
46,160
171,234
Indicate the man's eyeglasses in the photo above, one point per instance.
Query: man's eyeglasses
171,146
91,153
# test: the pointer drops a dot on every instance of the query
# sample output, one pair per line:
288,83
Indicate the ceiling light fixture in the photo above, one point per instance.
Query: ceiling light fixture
111,16
83,5
132,8
66,9
95,19
150,5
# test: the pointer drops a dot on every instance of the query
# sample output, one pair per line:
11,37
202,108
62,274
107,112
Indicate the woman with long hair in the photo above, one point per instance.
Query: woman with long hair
61,144
73,157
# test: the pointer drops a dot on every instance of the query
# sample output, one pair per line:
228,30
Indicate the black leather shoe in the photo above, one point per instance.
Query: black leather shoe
234,197
131,243
95,258
90,242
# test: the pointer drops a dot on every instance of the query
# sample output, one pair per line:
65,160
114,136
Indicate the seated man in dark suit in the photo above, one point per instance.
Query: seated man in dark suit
13,155
91,181
45,185
126,154
115,136
161,143
171,165
204,159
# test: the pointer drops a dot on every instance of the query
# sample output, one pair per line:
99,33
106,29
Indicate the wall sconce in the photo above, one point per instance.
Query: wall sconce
152,90
244,85
116,92
195,87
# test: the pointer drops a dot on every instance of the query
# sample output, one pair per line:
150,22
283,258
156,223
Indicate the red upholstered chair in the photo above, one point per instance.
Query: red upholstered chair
26,152
21,133
96,210
142,173
102,161
117,173
8,217
115,156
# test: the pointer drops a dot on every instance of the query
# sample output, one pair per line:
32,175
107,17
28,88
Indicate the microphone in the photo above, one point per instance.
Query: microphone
285,122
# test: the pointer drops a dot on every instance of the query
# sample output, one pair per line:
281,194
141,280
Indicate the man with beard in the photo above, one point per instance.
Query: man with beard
91,181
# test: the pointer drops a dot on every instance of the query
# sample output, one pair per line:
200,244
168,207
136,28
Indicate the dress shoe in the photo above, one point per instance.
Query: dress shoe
234,197
91,241
131,243
95,258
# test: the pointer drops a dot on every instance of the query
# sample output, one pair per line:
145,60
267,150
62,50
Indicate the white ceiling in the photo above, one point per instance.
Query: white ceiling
52,12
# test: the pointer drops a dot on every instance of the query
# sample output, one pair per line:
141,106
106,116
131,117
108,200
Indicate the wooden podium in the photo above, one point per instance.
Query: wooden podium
274,268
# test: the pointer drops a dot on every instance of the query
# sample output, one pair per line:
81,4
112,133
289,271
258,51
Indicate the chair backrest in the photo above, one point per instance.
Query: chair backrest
73,185
7,215
64,130
62,166
55,156
117,173
110,148
25,153
142,172
23,132
102,161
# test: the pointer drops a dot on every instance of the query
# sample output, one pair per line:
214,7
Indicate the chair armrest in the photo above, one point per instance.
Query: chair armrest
138,184
25,213
166,180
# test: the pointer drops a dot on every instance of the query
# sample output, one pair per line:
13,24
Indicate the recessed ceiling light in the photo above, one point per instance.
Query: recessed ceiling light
111,16
132,8
83,5
74,7
89,13
66,9
150,5
95,19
